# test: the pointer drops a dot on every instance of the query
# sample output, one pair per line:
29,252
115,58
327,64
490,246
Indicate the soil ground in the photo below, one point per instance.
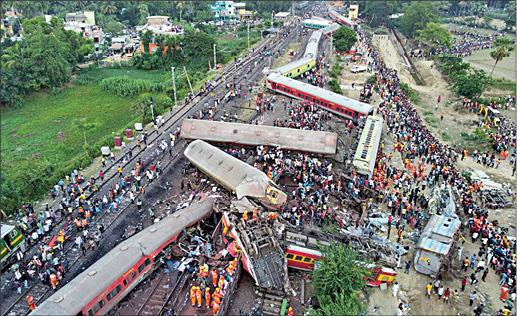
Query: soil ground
449,130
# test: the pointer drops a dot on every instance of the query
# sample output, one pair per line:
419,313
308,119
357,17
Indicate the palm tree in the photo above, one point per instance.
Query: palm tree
108,8
179,6
503,47
11,56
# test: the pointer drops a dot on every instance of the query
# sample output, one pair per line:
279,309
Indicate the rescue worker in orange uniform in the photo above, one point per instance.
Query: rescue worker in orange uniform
214,275
53,281
207,297
215,307
193,291
199,296
290,311
216,296
221,283
30,302
255,214
203,272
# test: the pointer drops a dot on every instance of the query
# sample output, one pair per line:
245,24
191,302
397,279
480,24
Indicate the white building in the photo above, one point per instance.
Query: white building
160,24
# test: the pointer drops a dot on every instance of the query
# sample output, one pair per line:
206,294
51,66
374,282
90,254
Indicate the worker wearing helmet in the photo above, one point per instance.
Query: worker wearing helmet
216,296
215,307
290,311
207,297
193,290
199,296
30,302
214,275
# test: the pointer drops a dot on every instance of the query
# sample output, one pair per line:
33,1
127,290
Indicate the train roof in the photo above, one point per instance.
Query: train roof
316,21
437,236
234,174
306,250
331,28
368,145
318,92
71,298
341,17
311,51
292,65
6,229
249,134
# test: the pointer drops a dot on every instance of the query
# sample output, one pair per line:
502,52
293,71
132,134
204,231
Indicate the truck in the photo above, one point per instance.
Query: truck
358,68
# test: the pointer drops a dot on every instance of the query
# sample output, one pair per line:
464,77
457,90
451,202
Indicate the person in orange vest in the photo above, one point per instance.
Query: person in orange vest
193,291
199,296
31,303
216,296
214,275
221,283
203,271
255,214
207,297
244,217
290,311
53,281
215,307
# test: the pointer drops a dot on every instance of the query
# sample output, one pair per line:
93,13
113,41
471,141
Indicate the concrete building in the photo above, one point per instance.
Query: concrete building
353,12
229,10
160,24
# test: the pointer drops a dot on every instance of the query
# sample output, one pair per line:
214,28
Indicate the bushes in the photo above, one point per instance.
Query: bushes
465,80
410,93
334,86
126,87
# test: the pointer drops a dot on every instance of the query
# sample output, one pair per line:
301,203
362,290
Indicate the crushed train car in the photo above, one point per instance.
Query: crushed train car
435,244
366,152
235,175
319,142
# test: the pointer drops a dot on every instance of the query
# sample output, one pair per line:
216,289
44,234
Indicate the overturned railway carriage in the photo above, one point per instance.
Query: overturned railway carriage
331,29
100,287
315,23
319,142
311,51
366,152
296,68
235,175
327,100
341,19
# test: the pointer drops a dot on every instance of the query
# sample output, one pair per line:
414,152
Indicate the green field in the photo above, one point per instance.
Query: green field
43,140
481,60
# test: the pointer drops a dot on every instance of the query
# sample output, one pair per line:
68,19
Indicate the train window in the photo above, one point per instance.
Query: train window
235,131
298,258
96,308
114,292
307,259
125,282
143,265
290,256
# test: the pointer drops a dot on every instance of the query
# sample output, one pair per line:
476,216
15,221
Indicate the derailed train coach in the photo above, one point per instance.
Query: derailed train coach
235,175
106,282
327,100
318,142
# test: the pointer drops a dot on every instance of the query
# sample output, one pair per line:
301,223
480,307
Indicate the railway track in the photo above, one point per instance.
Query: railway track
40,291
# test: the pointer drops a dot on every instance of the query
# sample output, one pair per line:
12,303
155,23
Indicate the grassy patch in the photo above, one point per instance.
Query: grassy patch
410,93
475,140
446,137
502,84
430,119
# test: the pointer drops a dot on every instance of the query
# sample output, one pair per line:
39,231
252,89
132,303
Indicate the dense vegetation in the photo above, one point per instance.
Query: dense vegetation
344,39
338,282
465,80
44,59
59,124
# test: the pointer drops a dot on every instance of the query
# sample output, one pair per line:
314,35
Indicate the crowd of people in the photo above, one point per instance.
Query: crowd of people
416,142
463,44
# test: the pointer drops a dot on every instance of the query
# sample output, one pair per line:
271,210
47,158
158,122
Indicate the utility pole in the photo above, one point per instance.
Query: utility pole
188,80
248,35
174,87
152,108
215,60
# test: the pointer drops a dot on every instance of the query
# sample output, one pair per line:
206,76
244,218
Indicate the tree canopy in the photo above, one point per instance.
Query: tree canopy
344,39
43,59
416,16
434,35
338,282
